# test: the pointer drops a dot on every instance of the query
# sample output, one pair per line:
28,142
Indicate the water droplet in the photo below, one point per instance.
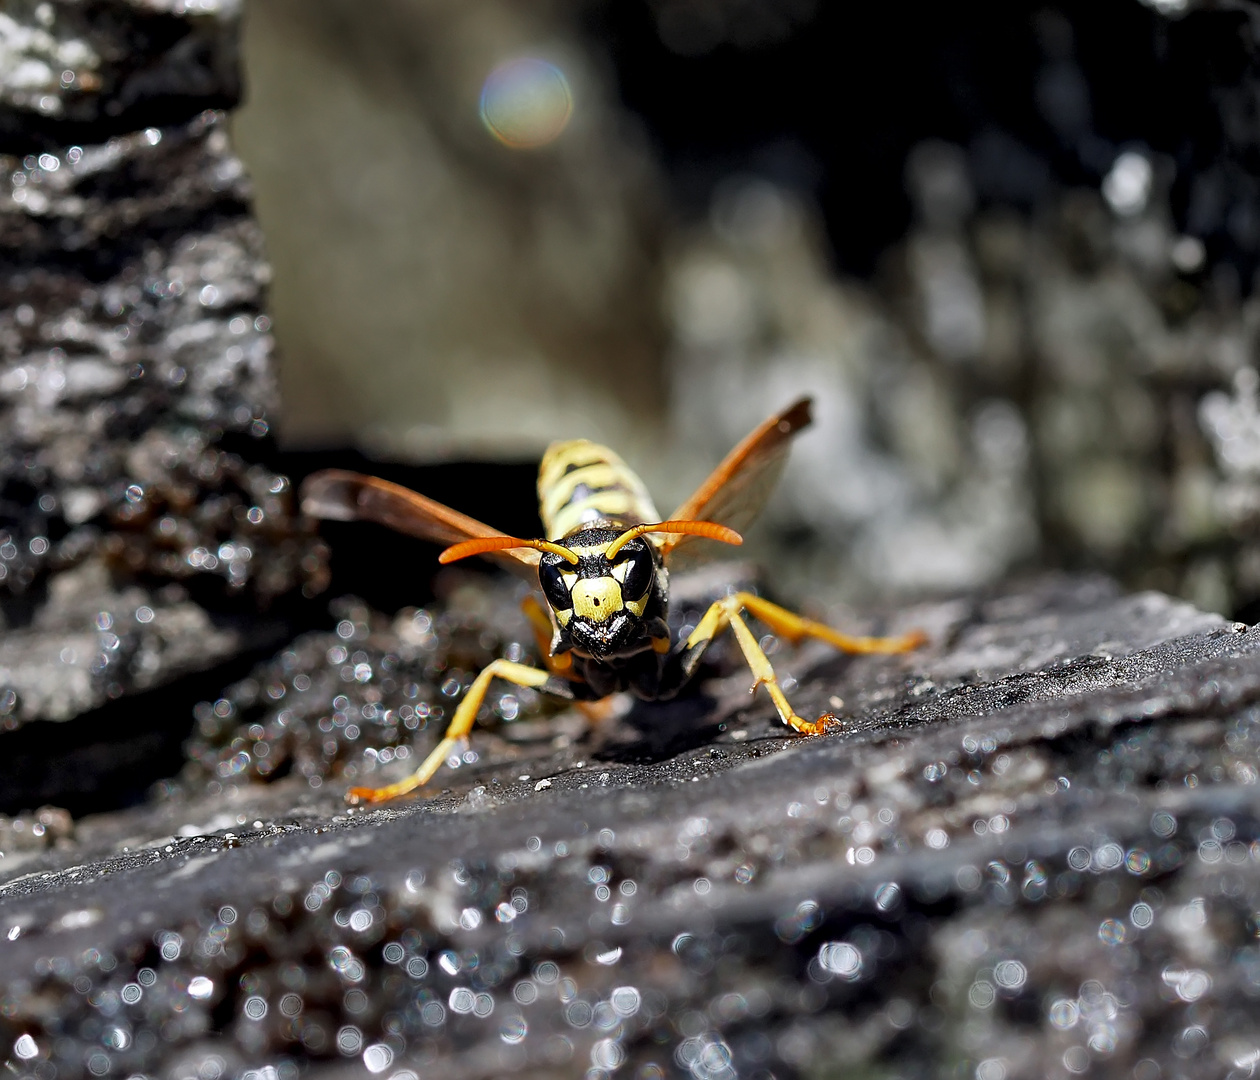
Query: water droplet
378,1057
513,1029
1064,1013
200,987
981,994
991,1069
579,1013
1111,932
1127,186
841,959
1108,857
1137,861
1188,984
888,896
1163,824
607,1054
1076,1059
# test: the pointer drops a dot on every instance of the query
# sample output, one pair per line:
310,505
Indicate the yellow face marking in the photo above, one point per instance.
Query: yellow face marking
638,606
563,617
620,570
597,598
569,580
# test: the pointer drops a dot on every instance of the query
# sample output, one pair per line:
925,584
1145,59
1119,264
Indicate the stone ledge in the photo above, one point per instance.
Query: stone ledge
1035,840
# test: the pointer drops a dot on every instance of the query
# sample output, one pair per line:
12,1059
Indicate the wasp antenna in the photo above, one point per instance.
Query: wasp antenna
483,544
710,530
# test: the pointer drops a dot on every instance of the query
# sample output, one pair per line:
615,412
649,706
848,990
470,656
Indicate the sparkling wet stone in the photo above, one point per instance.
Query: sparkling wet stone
140,536
1109,745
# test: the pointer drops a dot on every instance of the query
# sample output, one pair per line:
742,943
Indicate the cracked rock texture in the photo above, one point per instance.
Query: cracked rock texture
1028,850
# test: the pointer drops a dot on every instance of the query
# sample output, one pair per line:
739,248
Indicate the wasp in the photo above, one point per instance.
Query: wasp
603,571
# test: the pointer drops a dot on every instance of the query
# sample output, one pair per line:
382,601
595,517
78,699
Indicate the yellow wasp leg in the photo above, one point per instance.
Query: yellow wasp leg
726,612
460,725
562,665
794,627
558,665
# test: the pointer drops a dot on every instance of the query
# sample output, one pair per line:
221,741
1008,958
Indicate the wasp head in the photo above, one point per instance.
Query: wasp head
602,605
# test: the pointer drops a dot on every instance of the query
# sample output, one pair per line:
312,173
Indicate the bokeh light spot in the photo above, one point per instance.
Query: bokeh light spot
526,103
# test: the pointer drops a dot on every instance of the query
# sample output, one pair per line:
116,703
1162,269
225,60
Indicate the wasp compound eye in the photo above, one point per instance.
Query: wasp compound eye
553,586
638,574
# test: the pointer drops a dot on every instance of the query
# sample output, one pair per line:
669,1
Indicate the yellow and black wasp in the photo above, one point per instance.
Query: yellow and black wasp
603,571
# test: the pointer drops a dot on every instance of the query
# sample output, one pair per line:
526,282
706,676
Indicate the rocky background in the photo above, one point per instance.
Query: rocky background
1018,281
1024,303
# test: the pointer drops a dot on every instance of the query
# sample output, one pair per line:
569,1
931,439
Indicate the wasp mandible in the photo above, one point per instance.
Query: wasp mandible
603,571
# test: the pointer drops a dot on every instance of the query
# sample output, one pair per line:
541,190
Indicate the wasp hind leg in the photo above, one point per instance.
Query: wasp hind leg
462,722
787,624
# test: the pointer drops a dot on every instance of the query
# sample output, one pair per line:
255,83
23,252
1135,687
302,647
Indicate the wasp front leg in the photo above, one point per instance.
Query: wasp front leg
462,722
561,664
727,612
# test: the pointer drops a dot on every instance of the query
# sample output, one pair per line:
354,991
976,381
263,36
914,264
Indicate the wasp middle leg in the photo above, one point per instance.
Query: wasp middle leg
462,722
728,612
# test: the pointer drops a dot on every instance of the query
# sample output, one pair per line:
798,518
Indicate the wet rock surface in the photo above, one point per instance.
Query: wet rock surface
1029,849
77,72
141,534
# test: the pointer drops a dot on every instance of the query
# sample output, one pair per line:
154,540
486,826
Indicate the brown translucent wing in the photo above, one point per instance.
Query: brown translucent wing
350,496
737,489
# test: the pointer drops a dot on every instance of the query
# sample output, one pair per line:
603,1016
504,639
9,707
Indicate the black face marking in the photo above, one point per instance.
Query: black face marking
604,640
640,572
552,583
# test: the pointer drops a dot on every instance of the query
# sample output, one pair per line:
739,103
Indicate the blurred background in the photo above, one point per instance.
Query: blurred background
1009,248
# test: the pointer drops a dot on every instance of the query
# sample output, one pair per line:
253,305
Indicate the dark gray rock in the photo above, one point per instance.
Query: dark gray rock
1028,850
136,380
71,72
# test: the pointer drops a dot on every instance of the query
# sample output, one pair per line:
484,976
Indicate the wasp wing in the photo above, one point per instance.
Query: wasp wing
349,496
736,490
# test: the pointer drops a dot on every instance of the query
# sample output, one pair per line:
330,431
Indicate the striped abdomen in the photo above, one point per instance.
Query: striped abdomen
581,482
